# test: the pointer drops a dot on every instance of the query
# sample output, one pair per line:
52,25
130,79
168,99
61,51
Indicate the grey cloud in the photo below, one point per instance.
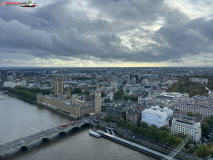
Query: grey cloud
54,32
107,39
143,11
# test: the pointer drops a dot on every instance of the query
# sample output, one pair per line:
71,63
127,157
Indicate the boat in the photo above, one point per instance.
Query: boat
1,98
95,134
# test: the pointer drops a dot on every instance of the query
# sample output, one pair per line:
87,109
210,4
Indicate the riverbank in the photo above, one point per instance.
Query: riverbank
45,106
163,149
157,146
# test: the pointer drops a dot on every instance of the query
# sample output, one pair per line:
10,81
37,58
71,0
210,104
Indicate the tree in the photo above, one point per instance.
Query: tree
107,100
102,94
185,86
164,128
118,94
152,131
87,115
87,92
203,150
107,118
210,144
211,139
190,114
144,131
191,150
77,90
197,114
173,140
162,135
190,141
209,120
181,135
134,128
144,125
205,128
120,122
129,125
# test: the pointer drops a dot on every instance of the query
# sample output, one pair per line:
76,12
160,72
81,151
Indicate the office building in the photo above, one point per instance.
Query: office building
187,125
157,116
3,76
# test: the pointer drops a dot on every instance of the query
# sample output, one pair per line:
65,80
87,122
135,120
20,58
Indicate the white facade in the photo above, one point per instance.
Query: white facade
12,84
157,116
199,80
110,96
187,126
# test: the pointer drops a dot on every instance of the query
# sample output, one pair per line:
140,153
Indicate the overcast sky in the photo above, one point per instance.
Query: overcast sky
107,33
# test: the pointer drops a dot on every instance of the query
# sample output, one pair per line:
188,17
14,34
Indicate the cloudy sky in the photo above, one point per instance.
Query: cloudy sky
107,33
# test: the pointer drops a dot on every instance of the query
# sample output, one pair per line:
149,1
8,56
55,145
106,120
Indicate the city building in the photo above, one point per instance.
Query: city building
116,111
187,125
76,106
196,104
3,76
13,84
133,80
133,115
157,116
119,109
199,80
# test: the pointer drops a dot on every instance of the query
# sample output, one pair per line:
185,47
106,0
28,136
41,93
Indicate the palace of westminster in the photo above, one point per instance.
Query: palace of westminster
75,105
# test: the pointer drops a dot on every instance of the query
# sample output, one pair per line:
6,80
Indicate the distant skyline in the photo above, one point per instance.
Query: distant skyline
107,33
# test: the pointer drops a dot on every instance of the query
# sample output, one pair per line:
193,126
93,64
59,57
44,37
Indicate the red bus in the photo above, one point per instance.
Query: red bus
64,125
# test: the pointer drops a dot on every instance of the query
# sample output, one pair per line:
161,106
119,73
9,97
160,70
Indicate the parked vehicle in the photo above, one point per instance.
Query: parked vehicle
72,123
64,125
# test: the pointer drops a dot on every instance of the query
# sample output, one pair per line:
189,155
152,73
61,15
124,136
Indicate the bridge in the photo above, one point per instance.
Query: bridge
24,143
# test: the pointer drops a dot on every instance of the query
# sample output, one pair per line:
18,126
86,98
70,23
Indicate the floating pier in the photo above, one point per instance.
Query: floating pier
135,146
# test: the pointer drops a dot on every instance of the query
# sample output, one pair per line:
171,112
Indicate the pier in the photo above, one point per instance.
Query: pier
135,146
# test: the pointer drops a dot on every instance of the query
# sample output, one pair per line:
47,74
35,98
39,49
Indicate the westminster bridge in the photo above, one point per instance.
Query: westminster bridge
24,143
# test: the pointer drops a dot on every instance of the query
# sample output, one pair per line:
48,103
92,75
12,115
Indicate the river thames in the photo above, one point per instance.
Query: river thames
19,119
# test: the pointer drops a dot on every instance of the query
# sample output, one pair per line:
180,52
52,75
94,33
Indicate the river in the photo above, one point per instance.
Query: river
19,119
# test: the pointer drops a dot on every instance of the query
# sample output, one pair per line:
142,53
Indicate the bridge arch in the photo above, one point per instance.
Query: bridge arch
86,124
25,147
75,128
45,139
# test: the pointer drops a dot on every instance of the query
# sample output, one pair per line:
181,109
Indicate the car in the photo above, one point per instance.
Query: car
205,140
64,125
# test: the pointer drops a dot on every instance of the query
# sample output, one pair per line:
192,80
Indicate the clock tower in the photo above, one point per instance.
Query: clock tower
97,101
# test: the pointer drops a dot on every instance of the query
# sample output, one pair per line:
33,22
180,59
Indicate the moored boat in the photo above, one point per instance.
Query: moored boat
95,134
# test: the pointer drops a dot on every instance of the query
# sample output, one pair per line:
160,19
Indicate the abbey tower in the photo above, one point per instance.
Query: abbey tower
97,101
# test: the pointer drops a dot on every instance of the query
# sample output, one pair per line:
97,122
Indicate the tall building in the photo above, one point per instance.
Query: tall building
3,76
98,101
187,125
59,86
157,116
117,110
